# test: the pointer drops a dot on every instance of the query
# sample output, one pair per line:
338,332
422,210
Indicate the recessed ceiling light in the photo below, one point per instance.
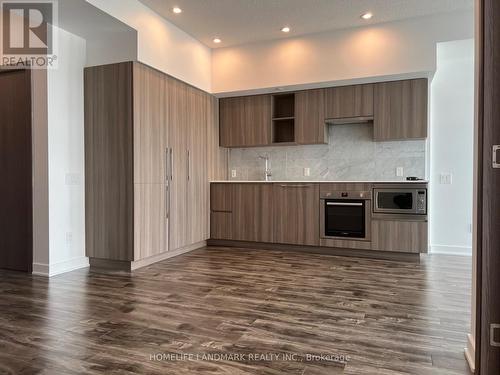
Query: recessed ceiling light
176,10
367,15
285,29
217,40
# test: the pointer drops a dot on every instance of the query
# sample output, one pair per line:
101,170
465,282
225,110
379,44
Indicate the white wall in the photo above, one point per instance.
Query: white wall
111,48
66,157
390,49
452,141
161,44
108,40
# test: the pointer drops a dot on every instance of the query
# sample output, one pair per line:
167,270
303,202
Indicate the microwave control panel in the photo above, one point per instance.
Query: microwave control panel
421,201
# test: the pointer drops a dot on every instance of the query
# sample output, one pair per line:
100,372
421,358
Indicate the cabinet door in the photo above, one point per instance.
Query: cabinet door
198,185
296,214
150,125
109,165
252,212
401,236
245,121
221,226
150,220
310,126
400,110
349,101
221,197
178,137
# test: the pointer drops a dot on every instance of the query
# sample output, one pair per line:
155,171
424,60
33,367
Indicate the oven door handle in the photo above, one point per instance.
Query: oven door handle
344,204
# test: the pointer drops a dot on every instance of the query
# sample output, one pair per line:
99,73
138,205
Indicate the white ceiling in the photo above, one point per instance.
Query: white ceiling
245,21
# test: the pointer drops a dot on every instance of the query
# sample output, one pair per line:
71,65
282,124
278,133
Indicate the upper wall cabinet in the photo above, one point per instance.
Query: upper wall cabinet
310,123
400,110
349,101
245,121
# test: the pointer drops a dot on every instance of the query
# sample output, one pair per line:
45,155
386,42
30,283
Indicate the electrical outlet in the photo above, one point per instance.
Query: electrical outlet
400,171
307,172
69,239
446,179
233,173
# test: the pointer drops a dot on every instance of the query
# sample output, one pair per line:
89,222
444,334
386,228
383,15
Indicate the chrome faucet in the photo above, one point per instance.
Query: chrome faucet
267,171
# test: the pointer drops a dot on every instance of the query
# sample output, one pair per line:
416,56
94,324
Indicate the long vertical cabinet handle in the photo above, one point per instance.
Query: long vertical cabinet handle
167,185
171,164
189,166
170,178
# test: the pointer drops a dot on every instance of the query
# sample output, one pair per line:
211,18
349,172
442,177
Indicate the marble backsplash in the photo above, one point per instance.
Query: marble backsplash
350,155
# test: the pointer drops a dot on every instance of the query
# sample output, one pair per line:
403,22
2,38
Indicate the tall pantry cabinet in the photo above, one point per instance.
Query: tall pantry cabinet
149,158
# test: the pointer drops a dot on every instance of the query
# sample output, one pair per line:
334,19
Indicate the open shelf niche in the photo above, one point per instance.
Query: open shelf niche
284,118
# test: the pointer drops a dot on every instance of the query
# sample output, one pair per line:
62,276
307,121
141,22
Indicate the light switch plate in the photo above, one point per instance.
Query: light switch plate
400,171
307,172
445,178
69,238
73,179
233,173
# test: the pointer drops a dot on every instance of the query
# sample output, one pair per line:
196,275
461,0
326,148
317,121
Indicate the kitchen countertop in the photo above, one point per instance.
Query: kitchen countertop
321,182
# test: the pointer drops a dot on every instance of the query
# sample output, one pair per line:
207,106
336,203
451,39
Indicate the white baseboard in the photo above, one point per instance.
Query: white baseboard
451,250
470,353
40,269
49,270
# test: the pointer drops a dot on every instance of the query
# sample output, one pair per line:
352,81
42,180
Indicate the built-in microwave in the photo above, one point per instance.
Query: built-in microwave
400,199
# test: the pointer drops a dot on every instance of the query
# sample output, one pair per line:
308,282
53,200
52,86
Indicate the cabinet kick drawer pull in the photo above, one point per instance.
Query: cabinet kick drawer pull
296,186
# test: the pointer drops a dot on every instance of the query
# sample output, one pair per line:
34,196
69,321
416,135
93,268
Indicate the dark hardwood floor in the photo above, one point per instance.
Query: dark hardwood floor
387,317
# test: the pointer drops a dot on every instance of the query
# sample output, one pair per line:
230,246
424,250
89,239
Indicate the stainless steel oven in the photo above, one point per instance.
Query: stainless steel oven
345,215
400,199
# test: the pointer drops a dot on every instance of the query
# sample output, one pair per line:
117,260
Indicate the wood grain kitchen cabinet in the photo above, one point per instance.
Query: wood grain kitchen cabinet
179,132
252,212
400,110
147,164
400,236
245,121
198,187
296,214
310,125
221,197
221,211
150,220
221,225
109,162
150,125
349,101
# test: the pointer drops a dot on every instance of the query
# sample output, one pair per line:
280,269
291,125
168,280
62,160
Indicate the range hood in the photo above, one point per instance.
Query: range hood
349,120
